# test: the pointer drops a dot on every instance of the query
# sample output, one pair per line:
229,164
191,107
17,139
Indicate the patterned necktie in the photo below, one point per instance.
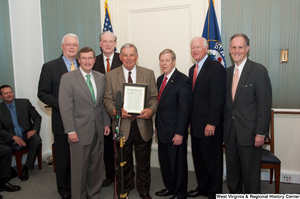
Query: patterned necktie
108,65
72,66
162,87
129,77
195,75
18,130
89,83
235,82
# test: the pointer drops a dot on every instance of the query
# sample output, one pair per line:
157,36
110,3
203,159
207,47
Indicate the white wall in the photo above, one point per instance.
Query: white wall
27,51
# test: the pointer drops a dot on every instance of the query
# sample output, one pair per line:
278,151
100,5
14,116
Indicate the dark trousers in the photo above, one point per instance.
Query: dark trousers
63,170
243,165
5,163
173,165
34,143
142,156
208,162
109,156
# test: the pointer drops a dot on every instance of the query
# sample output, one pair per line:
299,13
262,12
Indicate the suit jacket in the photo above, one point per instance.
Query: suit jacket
208,98
173,110
78,110
251,107
28,118
49,87
99,63
114,83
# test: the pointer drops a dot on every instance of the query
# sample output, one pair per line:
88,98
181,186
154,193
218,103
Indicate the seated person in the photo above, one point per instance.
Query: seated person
5,174
20,124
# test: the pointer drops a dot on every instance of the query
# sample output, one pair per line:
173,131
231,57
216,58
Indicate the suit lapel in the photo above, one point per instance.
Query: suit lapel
202,71
62,66
230,75
114,62
169,85
98,85
139,75
245,74
81,81
5,109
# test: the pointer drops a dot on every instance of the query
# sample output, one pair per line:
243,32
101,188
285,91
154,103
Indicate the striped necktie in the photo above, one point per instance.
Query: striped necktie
162,87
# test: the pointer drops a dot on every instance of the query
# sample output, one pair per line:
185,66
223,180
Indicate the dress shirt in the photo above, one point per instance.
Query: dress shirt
133,74
241,67
110,61
68,63
200,64
14,107
169,75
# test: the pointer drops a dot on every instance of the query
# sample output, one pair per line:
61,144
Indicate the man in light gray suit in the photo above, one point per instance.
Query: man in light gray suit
247,117
85,121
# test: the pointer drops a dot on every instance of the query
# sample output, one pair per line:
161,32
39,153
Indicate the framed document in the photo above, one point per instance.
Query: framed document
134,98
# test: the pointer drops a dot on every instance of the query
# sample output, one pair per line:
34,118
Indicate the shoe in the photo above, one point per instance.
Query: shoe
1,197
163,192
24,175
146,196
195,193
66,197
10,188
107,182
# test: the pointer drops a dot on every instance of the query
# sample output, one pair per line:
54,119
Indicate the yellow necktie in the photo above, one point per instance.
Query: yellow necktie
72,66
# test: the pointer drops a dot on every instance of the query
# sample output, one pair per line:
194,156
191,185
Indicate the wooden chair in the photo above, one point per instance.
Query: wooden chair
18,152
269,160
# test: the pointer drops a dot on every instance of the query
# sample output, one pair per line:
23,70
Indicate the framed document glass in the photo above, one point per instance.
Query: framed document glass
134,98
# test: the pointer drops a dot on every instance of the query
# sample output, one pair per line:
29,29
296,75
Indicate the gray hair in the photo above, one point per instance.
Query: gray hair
203,39
165,51
129,45
108,32
247,41
71,35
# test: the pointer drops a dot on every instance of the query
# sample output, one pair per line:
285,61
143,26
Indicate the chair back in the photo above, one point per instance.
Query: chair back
269,140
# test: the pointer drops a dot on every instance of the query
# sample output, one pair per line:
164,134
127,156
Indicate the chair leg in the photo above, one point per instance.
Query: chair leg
40,159
277,179
271,176
19,164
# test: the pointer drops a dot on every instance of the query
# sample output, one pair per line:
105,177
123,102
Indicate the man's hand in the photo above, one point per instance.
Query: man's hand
259,140
209,130
124,113
145,114
177,139
31,133
106,130
73,137
19,141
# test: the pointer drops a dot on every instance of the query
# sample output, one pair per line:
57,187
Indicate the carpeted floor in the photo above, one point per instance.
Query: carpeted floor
42,185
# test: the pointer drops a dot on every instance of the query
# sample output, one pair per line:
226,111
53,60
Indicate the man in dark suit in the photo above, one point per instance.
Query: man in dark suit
20,124
85,121
208,79
48,93
105,62
247,117
172,120
137,130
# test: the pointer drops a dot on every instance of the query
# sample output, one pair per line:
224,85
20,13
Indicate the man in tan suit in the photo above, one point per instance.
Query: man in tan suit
137,130
85,121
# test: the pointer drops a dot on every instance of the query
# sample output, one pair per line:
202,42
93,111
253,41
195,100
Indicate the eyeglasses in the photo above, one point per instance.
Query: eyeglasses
86,58
69,45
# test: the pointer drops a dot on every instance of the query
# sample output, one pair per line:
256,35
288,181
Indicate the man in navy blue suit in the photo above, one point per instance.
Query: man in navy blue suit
172,120
208,79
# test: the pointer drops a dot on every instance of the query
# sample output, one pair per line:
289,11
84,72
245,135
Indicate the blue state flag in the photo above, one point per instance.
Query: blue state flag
212,34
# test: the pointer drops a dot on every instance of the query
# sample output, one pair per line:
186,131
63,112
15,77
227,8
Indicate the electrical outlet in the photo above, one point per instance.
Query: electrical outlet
286,178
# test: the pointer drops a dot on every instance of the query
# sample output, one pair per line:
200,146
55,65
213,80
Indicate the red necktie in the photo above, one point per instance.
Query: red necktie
235,82
129,77
195,75
162,87
108,65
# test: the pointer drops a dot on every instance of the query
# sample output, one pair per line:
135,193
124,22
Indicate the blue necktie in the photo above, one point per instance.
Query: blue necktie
18,130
